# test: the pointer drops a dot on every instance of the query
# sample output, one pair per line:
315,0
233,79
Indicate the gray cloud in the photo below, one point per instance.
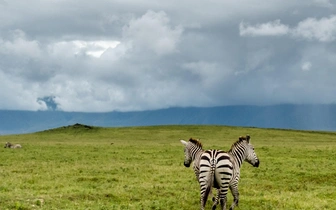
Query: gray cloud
323,29
137,55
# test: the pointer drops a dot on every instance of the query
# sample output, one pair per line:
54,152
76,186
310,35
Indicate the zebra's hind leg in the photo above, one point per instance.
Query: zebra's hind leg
223,196
204,196
203,202
235,194
215,200
223,203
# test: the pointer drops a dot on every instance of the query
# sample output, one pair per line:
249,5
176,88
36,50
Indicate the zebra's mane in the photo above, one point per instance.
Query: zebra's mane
241,139
196,142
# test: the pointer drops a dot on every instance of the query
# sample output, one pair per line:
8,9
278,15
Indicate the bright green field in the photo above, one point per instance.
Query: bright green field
79,168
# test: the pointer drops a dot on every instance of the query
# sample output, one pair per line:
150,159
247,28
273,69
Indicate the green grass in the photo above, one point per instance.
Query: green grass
142,168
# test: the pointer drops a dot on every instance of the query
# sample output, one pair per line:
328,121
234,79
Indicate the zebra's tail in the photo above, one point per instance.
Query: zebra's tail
210,182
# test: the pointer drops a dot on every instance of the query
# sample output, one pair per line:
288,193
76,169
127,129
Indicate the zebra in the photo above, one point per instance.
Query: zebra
13,146
192,153
221,170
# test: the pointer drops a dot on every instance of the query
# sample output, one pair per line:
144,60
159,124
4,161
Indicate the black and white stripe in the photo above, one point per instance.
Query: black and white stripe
192,153
214,173
221,170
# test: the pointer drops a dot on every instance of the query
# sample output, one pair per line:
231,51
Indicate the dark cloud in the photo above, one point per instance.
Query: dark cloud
49,102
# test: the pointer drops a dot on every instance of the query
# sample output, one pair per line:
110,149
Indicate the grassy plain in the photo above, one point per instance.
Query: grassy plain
78,167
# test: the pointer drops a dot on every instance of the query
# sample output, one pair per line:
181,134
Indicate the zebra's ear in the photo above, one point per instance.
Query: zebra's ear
248,138
184,142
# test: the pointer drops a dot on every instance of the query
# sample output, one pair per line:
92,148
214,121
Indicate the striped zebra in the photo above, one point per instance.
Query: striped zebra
192,153
232,160
13,146
221,170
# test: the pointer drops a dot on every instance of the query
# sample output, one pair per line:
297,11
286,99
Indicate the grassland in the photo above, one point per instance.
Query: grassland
80,167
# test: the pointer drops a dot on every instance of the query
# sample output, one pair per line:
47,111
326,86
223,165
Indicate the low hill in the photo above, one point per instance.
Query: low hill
301,117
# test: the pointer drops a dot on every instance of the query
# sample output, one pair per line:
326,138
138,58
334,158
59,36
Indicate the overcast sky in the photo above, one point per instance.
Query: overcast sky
126,55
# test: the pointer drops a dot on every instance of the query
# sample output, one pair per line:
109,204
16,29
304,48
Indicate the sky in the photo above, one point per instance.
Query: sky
132,55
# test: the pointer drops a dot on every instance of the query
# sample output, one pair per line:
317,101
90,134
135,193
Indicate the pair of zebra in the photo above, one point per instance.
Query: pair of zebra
219,169
13,146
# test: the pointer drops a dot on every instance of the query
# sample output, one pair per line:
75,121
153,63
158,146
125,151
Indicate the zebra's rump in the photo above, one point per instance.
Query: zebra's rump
216,166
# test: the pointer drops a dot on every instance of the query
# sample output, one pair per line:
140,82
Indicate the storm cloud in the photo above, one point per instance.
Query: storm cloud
97,56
